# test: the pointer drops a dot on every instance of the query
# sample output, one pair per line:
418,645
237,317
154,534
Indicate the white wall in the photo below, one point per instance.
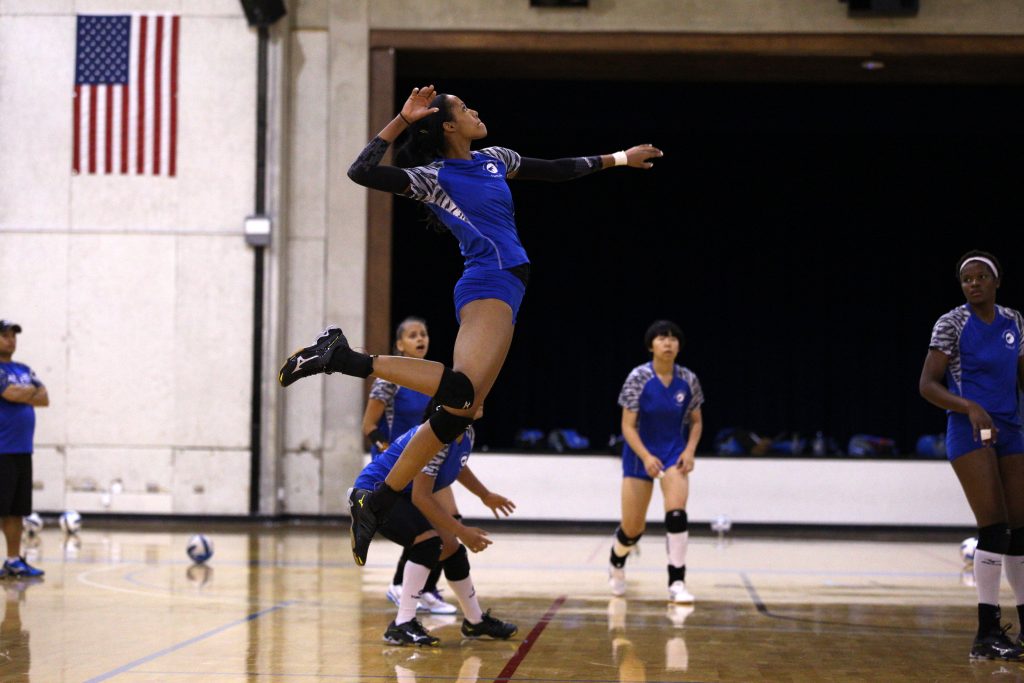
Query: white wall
134,291
751,490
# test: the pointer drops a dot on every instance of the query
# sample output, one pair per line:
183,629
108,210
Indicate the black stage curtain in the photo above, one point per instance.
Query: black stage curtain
803,236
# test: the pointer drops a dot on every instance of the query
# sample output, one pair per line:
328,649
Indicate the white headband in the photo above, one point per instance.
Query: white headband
982,259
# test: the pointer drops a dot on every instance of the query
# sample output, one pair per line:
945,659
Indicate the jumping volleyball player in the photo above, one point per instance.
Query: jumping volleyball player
662,424
976,348
431,536
467,193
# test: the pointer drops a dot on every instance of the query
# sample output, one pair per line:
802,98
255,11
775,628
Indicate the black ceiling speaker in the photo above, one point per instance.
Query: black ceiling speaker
882,8
263,12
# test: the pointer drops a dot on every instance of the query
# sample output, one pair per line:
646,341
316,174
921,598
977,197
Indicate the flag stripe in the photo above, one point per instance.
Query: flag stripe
124,128
157,85
109,132
76,153
140,140
92,130
173,151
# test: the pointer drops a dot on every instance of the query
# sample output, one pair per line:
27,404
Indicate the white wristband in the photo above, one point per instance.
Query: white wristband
620,158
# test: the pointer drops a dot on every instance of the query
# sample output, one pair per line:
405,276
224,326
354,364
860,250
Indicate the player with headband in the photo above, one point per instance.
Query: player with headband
974,369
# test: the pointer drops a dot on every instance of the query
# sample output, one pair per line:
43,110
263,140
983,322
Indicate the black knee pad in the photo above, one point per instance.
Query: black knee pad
676,521
456,567
626,540
455,390
447,427
1016,542
994,538
425,553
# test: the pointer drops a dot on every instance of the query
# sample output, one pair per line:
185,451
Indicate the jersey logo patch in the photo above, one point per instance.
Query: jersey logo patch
1009,338
491,167
680,397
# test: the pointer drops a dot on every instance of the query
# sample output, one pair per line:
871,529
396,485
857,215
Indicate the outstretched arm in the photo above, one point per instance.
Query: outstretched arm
558,170
366,169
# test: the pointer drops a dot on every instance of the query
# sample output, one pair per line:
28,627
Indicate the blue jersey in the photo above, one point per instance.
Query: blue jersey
403,409
444,467
663,413
17,420
983,358
471,197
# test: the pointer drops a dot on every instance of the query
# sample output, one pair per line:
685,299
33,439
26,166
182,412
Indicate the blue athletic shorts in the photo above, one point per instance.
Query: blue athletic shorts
633,466
960,437
489,283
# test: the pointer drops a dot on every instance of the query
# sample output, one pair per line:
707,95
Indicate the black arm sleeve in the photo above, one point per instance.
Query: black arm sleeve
366,171
557,170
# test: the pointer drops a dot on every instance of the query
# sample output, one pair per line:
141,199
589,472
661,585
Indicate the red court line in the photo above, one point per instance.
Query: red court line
524,648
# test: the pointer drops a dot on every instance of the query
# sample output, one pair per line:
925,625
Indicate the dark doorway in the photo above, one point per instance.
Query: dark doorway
803,235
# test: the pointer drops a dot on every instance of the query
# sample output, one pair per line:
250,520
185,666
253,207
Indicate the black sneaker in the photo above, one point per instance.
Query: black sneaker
489,627
409,633
364,524
997,645
313,359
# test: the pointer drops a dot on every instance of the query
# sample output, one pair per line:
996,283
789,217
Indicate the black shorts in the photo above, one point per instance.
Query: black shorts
404,523
15,484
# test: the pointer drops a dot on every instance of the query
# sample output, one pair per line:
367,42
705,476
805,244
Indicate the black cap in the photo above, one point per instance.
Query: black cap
8,325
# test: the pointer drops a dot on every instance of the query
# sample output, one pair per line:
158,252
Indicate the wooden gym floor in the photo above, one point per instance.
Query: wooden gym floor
285,603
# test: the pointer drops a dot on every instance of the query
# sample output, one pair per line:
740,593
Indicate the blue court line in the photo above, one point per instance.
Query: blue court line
191,641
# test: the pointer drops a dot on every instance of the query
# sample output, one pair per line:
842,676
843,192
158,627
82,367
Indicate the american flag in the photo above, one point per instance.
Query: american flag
126,91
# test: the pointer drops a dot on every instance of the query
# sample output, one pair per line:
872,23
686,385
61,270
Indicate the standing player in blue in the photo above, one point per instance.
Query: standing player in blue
974,369
21,393
467,193
661,422
431,536
392,409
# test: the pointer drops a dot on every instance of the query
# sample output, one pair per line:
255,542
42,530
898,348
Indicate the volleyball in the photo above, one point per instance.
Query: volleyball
200,548
70,522
967,548
32,524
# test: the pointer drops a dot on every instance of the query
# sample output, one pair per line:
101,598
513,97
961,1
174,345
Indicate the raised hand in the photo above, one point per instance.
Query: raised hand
418,105
640,156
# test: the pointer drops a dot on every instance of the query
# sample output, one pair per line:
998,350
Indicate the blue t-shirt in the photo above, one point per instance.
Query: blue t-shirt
403,409
444,467
663,413
983,358
17,420
471,197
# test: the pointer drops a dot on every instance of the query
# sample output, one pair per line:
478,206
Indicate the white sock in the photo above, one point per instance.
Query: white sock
13,559
988,568
466,594
676,546
1013,565
415,578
